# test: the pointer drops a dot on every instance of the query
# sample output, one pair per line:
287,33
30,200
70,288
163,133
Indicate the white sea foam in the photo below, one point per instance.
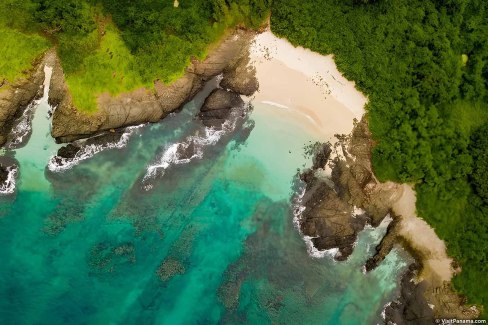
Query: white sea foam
383,313
358,211
8,187
267,102
24,126
58,164
173,154
314,252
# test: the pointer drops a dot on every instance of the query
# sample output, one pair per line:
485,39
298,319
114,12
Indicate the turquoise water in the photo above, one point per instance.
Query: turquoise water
212,242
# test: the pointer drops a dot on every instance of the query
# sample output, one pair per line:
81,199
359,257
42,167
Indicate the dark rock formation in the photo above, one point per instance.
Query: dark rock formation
217,107
15,97
141,105
221,99
7,166
240,77
329,216
72,149
411,308
385,246
3,174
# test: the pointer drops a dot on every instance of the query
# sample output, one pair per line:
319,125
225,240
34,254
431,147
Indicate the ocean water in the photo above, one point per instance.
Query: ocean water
206,240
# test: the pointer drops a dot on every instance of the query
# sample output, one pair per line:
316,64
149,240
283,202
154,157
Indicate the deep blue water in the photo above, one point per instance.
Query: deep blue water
211,242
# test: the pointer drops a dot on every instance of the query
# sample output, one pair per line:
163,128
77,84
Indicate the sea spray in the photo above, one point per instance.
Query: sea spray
8,186
59,164
192,147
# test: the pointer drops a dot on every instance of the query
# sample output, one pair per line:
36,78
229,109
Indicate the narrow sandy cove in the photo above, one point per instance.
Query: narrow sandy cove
305,84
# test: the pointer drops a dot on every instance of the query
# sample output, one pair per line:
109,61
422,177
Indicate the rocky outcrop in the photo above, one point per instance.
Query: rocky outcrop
342,194
411,308
8,173
240,77
141,105
3,174
217,107
15,97
340,181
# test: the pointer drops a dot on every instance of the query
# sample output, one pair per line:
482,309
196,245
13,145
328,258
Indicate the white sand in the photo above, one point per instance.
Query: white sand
305,84
437,265
308,86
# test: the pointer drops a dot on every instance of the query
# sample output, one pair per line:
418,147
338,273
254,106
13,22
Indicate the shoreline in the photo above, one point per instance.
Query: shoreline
307,86
322,99
142,105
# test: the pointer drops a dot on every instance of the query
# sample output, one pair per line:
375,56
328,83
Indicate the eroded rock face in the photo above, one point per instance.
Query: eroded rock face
411,308
15,97
331,217
3,174
142,105
218,106
8,168
241,77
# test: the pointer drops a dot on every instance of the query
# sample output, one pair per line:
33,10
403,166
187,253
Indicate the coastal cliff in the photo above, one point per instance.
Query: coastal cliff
14,98
342,195
145,105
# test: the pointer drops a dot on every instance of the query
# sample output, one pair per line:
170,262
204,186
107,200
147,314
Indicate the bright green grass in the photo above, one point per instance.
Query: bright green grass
108,69
18,51
469,116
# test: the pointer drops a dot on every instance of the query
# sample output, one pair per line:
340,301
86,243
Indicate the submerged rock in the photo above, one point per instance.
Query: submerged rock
169,268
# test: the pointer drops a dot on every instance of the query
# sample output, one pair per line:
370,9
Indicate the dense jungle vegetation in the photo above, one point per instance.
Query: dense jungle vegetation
117,46
424,66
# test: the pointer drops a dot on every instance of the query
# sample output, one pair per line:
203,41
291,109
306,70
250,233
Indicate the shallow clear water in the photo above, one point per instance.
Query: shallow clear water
212,241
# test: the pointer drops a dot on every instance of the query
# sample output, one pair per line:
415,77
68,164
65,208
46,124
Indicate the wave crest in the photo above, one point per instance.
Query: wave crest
86,151
8,186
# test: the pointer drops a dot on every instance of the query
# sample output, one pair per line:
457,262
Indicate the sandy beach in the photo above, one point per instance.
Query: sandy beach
306,85
437,268
312,92
423,239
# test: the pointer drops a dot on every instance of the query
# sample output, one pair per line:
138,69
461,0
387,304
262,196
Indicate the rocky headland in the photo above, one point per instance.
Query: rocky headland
151,105
342,195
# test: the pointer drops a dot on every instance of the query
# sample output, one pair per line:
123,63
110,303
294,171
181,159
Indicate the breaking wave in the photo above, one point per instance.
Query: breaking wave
190,149
59,164
8,187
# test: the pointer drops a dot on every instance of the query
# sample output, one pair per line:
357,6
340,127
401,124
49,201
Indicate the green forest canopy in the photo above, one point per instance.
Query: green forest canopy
116,46
423,65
